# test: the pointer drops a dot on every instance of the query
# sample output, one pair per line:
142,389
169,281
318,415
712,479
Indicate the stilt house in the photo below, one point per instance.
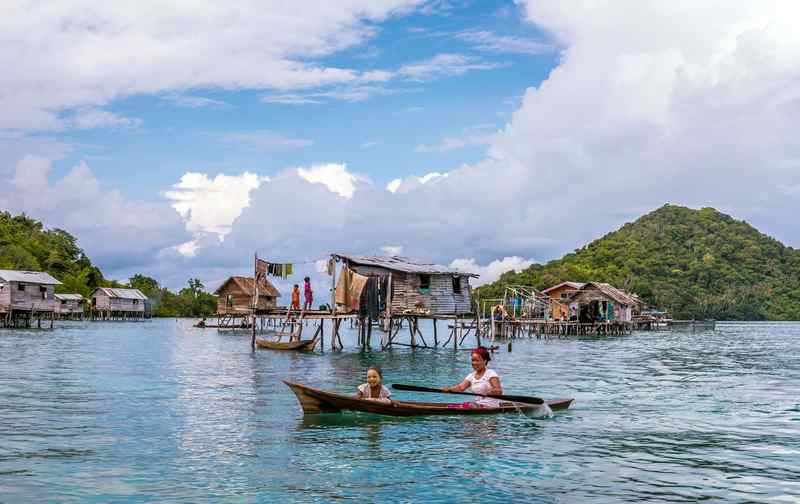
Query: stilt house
427,289
113,303
70,305
235,296
597,301
27,291
560,295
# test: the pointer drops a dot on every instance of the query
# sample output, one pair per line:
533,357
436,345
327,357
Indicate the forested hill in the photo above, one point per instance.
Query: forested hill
694,263
26,245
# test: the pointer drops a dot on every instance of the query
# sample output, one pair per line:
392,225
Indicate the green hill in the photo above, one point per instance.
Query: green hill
26,245
694,263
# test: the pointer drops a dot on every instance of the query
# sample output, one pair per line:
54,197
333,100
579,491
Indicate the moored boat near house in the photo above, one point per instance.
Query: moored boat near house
111,303
70,306
25,296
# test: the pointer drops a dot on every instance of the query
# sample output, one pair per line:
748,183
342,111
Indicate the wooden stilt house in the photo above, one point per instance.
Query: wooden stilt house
560,295
25,295
118,304
411,286
598,302
235,296
70,305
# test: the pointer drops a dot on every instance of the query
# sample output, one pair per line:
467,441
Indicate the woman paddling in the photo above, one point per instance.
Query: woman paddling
481,381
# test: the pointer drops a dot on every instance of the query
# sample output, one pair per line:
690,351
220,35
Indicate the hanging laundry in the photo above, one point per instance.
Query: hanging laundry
289,269
369,302
331,266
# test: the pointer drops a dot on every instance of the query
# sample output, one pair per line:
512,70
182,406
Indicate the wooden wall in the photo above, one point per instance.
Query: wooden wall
439,300
242,301
32,297
105,302
69,306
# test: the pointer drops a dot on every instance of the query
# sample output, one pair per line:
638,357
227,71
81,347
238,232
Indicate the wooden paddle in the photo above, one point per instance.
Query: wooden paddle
512,398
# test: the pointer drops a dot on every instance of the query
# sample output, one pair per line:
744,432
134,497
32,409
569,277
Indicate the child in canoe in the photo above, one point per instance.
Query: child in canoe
373,389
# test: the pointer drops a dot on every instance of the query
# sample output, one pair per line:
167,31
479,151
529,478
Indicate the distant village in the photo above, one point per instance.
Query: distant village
376,288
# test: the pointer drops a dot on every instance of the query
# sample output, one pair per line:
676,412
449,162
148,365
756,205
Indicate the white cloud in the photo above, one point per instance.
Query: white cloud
333,176
82,53
97,118
188,249
265,140
189,101
211,205
392,250
413,182
368,145
444,65
290,99
453,143
120,233
492,271
492,42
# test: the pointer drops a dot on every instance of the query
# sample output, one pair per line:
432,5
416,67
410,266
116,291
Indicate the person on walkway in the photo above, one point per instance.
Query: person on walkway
481,380
373,389
308,294
296,297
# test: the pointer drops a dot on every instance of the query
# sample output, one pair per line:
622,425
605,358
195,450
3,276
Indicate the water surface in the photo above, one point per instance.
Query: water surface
161,411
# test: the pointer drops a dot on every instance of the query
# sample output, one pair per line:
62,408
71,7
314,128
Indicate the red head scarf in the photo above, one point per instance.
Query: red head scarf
483,352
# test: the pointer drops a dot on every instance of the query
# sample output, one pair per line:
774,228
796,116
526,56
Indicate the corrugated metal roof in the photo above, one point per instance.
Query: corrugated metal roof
122,293
403,264
37,277
69,297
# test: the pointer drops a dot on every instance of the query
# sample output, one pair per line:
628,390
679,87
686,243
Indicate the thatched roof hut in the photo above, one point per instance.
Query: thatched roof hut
602,301
235,295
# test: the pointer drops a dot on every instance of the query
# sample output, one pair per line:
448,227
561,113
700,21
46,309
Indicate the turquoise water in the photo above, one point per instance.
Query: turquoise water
160,411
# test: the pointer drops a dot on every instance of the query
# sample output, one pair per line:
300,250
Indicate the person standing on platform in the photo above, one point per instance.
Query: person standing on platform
307,293
296,297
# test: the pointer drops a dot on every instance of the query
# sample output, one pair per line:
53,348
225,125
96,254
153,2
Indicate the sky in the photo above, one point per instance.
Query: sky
178,140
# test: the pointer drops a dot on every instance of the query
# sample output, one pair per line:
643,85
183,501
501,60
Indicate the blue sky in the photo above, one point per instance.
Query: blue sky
376,135
175,140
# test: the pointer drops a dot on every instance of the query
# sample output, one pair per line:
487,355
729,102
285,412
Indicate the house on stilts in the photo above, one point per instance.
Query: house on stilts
602,302
235,299
111,303
560,295
70,306
400,291
26,296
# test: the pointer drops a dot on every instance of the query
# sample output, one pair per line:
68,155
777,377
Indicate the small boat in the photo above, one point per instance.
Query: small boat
286,345
313,401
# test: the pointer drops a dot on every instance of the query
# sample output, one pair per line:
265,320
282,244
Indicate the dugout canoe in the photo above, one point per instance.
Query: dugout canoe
314,401
301,345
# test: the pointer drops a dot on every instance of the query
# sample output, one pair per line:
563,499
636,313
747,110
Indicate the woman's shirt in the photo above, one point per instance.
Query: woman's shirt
483,386
366,392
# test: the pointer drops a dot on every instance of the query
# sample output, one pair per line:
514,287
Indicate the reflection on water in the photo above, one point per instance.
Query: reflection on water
161,411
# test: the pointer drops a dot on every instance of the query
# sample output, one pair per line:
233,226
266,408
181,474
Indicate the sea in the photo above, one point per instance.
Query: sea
160,411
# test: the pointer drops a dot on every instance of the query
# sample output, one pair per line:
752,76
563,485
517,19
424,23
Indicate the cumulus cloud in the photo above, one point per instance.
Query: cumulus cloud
492,271
413,182
115,231
210,205
333,176
84,53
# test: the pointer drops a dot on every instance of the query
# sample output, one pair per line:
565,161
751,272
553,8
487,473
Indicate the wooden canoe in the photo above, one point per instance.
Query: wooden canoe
313,401
286,345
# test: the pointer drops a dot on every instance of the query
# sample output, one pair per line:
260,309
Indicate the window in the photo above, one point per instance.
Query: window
456,285
21,287
63,302
564,295
229,300
135,301
42,288
424,284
